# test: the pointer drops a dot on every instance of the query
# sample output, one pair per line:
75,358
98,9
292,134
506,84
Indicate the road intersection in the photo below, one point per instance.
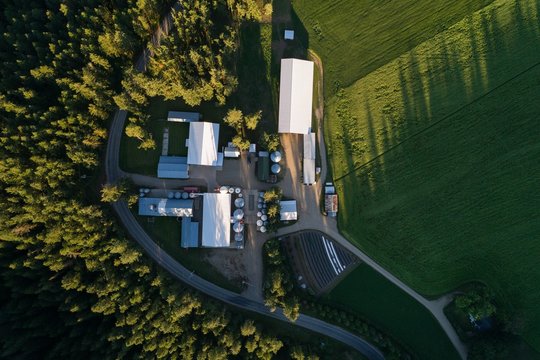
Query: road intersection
311,218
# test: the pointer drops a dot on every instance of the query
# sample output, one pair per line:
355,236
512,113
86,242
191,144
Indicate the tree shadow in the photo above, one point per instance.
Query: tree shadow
431,159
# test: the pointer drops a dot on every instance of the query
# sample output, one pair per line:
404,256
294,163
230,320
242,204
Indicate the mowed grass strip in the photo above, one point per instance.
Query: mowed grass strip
355,37
367,293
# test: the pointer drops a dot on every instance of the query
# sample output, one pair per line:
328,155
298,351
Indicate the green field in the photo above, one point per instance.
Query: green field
432,131
367,293
166,232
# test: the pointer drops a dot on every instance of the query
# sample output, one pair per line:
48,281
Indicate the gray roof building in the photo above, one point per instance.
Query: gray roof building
190,233
173,167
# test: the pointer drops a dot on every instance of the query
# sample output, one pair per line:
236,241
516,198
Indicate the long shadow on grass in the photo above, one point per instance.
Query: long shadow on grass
431,194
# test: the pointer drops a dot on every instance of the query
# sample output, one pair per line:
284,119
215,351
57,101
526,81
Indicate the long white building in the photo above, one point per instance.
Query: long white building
295,96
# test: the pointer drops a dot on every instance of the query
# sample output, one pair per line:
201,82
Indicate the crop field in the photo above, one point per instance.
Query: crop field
432,131
367,292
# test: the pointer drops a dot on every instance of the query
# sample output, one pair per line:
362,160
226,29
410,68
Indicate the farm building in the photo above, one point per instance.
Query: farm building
295,96
173,167
216,220
231,152
288,34
263,166
183,116
190,233
203,144
309,159
288,210
165,207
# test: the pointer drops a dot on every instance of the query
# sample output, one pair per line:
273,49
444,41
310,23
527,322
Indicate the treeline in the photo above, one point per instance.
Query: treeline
280,291
194,63
71,284
278,281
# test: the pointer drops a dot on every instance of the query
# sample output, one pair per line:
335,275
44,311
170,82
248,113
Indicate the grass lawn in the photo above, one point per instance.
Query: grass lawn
133,159
367,293
432,133
166,231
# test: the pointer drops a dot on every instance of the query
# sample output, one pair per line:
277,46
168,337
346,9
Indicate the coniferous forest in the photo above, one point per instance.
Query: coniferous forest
72,284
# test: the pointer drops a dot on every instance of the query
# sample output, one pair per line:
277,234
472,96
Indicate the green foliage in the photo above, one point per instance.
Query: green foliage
273,195
191,62
477,304
241,123
278,282
71,284
111,193
270,142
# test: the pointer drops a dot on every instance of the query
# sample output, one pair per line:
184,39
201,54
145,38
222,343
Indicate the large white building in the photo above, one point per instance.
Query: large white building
295,96
203,144
216,220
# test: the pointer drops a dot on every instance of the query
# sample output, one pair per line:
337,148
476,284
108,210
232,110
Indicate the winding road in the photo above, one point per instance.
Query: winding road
313,220
114,173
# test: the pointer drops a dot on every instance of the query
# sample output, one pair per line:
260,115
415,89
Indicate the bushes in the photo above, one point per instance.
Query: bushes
278,282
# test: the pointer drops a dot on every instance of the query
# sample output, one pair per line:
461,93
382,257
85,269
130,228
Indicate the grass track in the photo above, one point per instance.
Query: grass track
443,129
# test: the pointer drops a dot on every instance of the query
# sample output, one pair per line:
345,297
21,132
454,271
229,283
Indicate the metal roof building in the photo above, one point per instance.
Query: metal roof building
231,152
183,116
263,166
288,210
190,233
165,207
295,96
216,220
203,144
309,159
173,167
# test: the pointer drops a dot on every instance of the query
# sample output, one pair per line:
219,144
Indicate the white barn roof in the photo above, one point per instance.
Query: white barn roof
216,227
309,159
288,210
295,96
203,143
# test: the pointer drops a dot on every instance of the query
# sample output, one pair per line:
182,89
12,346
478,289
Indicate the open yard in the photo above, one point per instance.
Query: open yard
432,131
166,232
367,293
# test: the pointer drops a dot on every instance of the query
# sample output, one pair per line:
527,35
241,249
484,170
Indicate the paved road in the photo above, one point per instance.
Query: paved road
114,173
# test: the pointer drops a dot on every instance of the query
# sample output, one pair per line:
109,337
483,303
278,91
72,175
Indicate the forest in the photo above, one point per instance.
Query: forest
72,284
